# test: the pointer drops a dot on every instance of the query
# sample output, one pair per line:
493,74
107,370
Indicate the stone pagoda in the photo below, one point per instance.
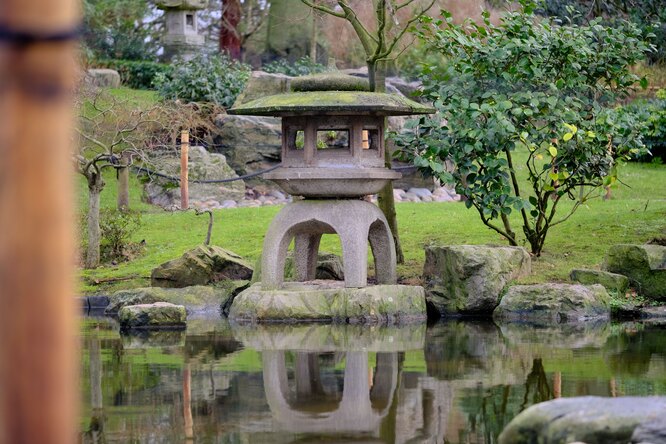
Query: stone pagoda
332,155
182,36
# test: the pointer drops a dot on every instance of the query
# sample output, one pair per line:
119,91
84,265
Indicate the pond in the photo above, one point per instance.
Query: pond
452,382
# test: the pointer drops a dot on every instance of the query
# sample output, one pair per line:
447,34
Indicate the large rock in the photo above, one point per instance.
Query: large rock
546,304
152,316
329,301
468,279
262,84
610,281
329,266
196,299
644,265
201,266
249,143
103,78
202,166
589,419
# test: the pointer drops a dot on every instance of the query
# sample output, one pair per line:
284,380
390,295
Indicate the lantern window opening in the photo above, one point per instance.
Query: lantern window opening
333,139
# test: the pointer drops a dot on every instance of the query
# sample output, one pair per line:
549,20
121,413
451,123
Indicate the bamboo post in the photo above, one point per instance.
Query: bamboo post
184,152
38,322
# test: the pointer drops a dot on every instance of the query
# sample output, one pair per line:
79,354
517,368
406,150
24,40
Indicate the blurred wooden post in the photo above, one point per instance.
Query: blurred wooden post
557,385
38,321
184,152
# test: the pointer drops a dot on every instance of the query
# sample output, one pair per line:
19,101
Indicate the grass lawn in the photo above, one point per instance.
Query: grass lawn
636,213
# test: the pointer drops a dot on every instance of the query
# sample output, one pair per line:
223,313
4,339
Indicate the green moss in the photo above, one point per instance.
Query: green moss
331,102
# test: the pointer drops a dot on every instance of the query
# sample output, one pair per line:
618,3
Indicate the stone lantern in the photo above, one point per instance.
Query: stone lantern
182,29
332,156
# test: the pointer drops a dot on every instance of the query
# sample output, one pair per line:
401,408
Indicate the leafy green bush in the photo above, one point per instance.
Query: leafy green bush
649,15
651,116
301,67
136,74
206,78
526,95
117,227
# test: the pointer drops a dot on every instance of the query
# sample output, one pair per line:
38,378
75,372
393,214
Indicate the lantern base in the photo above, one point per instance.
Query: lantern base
330,301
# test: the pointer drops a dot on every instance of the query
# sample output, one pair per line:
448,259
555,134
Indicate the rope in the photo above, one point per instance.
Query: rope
232,179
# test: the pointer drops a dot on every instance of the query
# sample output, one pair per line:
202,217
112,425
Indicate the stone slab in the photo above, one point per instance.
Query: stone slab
329,301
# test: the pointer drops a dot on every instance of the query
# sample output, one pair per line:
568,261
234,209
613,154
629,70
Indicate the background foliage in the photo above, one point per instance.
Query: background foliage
529,91
214,78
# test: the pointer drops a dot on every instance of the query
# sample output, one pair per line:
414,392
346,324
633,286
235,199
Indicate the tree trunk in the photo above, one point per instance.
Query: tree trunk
95,186
39,360
230,41
313,38
385,198
123,188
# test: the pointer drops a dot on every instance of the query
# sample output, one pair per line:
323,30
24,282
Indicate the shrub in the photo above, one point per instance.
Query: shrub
301,67
651,116
528,91
205,78
649,16
136,74
117,227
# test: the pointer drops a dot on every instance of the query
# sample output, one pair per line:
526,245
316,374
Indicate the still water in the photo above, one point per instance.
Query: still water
453,382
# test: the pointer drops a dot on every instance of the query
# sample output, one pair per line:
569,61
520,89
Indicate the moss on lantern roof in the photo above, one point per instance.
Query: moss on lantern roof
331,103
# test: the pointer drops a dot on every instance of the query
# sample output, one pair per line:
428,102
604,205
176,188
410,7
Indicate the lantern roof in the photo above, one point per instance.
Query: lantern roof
330,95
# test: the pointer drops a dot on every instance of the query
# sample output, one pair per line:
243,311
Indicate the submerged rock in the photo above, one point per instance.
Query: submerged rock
611,281
468,279
553,304
195,299
152,316
644,265
201,266
589,419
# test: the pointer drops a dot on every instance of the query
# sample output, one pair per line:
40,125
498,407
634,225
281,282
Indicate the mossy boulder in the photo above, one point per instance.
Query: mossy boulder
468,279
263,84
611,281
195,298
644,265
589,419
546,304
153,316
329,266
201,266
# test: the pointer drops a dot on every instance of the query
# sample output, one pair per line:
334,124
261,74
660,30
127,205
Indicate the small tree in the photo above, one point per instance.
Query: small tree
522,117
379,40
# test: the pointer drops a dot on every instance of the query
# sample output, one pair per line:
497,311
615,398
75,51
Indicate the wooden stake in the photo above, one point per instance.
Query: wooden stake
184,152
38,321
